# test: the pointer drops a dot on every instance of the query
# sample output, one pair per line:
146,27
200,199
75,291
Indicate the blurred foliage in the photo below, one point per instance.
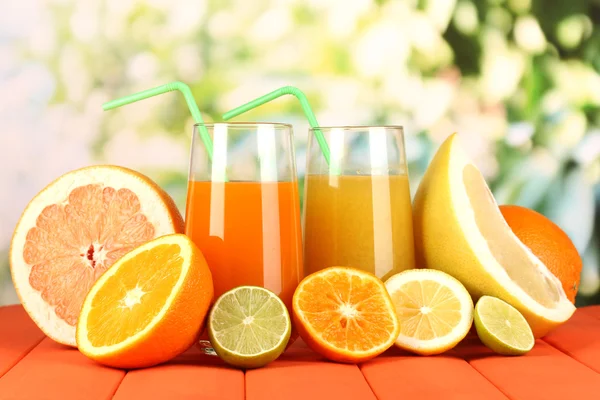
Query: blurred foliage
519,79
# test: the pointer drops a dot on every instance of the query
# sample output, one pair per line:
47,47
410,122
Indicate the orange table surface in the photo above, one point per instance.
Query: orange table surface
563,365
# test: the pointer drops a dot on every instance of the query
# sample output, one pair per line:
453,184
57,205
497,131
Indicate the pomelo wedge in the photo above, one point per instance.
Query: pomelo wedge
460,230
74,230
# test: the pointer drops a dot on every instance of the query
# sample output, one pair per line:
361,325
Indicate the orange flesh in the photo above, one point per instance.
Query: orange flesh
444,314
74,242
347,312
134,295
503,246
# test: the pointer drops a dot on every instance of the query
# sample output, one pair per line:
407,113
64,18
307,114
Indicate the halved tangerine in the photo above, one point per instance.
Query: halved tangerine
345,314
74,230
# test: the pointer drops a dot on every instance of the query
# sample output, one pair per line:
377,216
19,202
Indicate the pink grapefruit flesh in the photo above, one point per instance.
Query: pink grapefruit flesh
74,230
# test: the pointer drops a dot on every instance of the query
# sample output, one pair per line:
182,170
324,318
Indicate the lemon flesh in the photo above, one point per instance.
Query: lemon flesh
249,327
434,309
460,230
502,328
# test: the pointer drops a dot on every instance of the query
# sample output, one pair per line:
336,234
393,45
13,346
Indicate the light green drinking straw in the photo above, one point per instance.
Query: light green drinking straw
308,112
169,87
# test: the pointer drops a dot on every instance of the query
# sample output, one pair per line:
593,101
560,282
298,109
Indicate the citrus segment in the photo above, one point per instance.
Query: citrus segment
74,230
434,309
460,230
345,314
502,328
549,243
249,327
148,307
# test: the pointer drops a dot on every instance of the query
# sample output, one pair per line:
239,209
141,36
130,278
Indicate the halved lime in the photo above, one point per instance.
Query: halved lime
502,328
249,327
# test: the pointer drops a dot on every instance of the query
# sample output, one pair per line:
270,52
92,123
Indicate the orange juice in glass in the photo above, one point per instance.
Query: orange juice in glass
243,207
357,208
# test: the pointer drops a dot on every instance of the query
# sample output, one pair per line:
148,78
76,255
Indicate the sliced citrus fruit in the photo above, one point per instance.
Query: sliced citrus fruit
502,328
460,230
434,309
345,314
148,307
73,230
249,327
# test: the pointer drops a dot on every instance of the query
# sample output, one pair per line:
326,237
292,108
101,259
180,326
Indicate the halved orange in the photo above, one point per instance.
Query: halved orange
74,230
149,307
345,314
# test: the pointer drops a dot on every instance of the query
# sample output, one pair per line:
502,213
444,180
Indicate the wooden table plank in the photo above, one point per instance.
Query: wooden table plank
579,339
543,374
398,375
18,335
594,311
300,374
52,371
189,376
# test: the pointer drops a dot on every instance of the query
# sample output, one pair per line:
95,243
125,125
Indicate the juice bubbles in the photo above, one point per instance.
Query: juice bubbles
361,221
249,233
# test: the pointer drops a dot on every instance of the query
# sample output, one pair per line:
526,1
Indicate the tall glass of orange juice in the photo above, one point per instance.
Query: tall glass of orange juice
357,207
242,208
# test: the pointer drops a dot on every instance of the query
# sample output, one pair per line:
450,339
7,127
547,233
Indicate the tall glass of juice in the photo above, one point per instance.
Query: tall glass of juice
243,207
357,206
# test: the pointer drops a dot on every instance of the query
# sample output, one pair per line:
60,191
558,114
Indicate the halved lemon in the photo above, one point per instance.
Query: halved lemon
148,307
459,229
434,309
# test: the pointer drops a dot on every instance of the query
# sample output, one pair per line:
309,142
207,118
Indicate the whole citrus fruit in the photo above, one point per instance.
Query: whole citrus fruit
549,243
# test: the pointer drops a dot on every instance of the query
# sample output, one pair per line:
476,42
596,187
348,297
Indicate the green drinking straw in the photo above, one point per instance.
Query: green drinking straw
308,112
169,87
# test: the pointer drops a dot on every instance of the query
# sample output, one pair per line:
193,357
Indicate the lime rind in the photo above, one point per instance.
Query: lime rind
249,327
502,328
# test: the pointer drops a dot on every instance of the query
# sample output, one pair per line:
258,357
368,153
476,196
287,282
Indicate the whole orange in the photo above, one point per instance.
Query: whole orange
549,243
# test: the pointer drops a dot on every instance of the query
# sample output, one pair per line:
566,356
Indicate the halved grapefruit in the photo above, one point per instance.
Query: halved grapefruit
459,229
74,230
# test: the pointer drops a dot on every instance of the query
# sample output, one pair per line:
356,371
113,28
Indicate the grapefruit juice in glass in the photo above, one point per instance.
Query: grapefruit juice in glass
242,209
357,208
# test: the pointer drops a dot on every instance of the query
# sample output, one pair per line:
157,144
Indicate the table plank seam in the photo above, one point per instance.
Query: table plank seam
487,379
117,386
367,381
23,356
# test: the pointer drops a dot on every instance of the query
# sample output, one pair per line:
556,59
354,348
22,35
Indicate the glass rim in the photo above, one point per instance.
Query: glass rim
246,124
356,127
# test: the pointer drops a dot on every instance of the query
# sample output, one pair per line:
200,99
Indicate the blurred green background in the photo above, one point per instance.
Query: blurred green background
519,79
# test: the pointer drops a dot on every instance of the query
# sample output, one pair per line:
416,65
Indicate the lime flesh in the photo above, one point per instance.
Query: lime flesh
502,328
249,327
